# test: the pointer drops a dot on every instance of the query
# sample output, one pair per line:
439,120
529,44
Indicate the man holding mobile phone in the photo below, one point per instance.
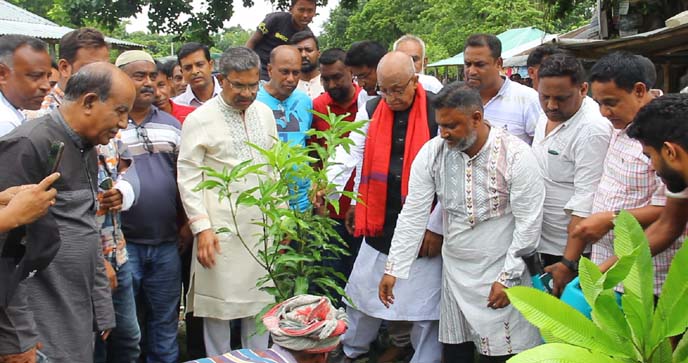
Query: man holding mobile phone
69,285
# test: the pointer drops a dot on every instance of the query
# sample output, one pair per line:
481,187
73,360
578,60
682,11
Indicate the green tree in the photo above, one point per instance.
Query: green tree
232,37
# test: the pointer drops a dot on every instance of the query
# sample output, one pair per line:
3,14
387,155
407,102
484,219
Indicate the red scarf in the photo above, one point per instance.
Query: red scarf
370,213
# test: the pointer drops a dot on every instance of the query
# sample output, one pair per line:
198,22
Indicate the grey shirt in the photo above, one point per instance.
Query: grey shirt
65,294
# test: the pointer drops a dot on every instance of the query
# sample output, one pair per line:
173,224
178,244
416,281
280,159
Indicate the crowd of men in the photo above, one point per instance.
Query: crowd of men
101,226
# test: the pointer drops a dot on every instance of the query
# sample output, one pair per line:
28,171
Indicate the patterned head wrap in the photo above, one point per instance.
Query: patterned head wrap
306,323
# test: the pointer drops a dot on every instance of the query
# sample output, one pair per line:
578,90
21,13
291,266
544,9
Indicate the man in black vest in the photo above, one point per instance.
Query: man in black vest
402,121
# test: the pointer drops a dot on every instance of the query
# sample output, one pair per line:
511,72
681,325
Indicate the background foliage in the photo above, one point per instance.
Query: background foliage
444,25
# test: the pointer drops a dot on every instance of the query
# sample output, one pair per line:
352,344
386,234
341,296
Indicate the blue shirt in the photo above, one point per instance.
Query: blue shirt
293,119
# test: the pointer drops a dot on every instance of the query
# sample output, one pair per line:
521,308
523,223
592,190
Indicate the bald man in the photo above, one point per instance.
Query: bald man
289,105
69,280
402,121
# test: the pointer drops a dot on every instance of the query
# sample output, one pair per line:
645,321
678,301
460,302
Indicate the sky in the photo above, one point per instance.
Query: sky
248,18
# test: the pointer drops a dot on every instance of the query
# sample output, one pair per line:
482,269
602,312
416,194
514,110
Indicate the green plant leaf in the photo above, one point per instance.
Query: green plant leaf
562,353
300,285
662,354
208,184
638,284
607,314
681,353
562,321
620,270
671,315
590,280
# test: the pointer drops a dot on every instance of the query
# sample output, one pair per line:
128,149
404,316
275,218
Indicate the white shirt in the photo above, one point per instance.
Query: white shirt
430,83
571,159
492,217
312,88
188,98
515,108
10,116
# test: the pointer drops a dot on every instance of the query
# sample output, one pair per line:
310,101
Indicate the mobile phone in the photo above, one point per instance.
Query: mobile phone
55,157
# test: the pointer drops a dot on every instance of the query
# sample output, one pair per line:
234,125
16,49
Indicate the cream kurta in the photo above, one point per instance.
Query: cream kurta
215,135
492,217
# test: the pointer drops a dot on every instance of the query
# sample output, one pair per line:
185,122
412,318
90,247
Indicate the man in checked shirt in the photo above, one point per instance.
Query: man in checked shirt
620,85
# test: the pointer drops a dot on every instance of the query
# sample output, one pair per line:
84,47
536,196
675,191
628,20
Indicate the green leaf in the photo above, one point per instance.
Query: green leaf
681,353
671,316
607,314
562,353
620,269
208,184
590,280
662,354
638,284
300,285
562,321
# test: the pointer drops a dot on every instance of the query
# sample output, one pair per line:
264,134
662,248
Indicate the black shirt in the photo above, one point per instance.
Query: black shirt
277,28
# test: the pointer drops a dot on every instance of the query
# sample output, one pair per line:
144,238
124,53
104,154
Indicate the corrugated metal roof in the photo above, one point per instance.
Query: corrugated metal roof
15,20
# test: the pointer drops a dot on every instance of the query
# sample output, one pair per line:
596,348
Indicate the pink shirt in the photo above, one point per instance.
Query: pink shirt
629,182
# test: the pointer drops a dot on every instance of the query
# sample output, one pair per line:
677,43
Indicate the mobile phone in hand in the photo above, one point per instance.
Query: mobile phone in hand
55,156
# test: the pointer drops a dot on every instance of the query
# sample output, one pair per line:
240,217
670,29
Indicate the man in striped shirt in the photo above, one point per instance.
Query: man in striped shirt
150,226
620,84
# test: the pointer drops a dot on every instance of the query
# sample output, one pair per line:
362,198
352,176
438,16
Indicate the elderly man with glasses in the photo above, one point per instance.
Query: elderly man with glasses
150,225
217,135
402,121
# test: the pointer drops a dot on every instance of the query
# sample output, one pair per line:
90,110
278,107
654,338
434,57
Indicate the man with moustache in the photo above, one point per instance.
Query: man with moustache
492,192
24,72
197,69
56,306
620,85
507,104
308,46
570,143
77,48
290,108
150,226
216,136
362,58
402,121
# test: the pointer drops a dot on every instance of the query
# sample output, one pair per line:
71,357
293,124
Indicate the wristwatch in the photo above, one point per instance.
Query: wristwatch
571,265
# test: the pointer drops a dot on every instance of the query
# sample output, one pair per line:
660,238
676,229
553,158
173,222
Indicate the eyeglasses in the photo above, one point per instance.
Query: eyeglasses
362,76
142,134
398,91
244,87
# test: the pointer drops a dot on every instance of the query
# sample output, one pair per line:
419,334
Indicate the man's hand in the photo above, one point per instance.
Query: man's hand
208,246
385,290
105,334
26,357
561,276
31,202
497,298
9,193
592,228
349,220
111,275
319,204
432,244
111,200
606,265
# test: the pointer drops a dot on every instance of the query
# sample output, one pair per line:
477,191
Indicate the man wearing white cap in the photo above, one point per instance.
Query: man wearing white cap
150,226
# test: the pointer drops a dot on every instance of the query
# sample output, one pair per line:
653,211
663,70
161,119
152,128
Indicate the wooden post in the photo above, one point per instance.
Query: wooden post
667,70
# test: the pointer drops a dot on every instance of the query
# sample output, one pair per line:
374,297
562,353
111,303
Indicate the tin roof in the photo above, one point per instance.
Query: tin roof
15,20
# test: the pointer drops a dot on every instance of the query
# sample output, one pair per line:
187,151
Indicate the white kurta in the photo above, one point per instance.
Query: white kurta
215,135
493,213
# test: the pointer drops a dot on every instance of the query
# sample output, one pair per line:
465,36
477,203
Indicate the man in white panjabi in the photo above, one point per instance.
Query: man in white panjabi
492,192
223,274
